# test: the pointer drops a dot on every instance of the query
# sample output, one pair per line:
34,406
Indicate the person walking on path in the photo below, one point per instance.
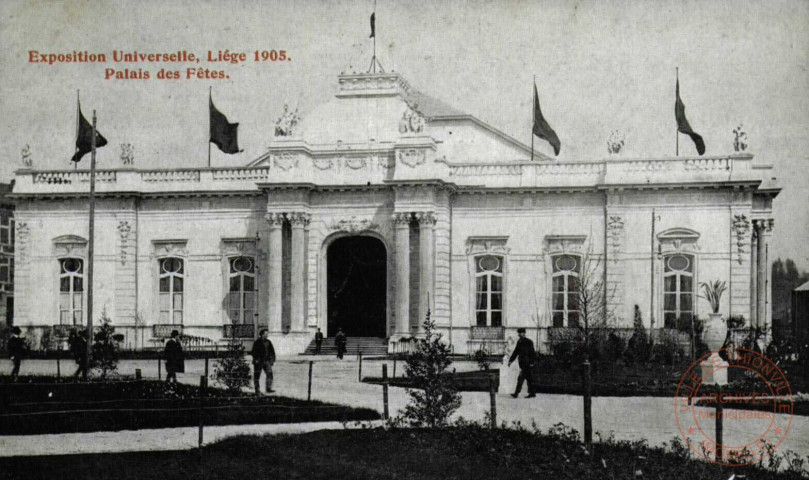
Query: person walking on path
16,350
263,357
78,348
524,352
318,341
340,341
175,358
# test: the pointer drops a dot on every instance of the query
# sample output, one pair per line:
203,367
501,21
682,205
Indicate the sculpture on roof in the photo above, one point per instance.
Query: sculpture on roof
615,143
27,161
127,154
740,140
412,121
287,122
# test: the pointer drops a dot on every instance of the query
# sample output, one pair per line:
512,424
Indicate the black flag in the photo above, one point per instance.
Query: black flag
542,129
682,122
85,138
373,25
223,134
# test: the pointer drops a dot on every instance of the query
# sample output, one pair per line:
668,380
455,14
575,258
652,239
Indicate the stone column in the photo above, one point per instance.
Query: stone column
401,223
298,221
763,274
426,263
754,276
275,271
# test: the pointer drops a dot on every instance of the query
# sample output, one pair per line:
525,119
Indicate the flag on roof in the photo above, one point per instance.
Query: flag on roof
223,133
373,25
84,138
682,123
541,128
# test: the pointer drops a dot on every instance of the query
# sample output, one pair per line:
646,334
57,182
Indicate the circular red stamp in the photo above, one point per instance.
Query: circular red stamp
754,408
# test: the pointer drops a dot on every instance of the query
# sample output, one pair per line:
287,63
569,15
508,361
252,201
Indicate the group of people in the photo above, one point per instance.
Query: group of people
17,348
340,341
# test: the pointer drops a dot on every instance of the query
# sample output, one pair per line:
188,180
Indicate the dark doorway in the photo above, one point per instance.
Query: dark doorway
357,287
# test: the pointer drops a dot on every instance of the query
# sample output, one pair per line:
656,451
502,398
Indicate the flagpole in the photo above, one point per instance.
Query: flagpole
90,250
533,119
373,60
210,101
78,112
676,129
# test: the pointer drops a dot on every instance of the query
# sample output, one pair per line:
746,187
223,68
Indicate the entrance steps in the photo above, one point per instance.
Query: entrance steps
366,345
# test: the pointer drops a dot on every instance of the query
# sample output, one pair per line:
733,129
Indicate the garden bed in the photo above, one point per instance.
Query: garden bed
470,452
64,405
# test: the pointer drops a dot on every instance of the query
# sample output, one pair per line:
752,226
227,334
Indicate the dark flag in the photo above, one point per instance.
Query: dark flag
542,129
223,134
84,138
682,123
373,25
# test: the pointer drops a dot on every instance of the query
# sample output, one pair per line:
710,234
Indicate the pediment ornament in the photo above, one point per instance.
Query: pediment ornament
353,225
169,248
411,157
480,245
564,244
285,161
238,247
69,246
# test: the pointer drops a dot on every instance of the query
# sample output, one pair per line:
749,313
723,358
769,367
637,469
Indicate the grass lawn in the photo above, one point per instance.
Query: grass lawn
463,453
42,405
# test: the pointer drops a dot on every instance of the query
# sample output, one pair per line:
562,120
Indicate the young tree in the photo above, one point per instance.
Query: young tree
233,370
592,297
105,347
433,399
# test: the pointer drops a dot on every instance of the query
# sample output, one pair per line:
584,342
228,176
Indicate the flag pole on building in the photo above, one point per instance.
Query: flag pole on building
532,128
210,101
682,123
78,112
677,130
374,60
90,245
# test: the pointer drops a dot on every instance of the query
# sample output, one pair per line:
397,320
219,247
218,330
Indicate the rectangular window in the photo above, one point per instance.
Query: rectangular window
242,290
170,296
489,291
565,291
678,290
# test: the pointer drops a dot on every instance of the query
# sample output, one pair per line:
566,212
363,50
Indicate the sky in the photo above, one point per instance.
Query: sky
600,66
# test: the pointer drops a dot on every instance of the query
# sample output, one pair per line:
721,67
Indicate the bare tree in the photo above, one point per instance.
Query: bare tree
593,296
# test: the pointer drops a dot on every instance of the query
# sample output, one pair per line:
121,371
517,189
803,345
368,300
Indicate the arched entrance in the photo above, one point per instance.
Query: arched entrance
357,287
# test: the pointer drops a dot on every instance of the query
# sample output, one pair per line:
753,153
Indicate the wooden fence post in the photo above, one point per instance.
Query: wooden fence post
394,365
719,414
492,403
588,405
309,392
159,368
206,364
138,374
359,372
202,384
386,414
58,368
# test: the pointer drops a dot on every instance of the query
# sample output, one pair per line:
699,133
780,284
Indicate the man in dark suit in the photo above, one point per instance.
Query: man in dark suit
524,352
78,347
263,357
340,341
16,350
318,341
175,359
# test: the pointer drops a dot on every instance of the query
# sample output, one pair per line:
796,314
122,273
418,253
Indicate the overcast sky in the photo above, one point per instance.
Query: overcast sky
600,66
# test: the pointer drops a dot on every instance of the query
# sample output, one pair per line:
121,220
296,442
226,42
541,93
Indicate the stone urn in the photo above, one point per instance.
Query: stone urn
715,331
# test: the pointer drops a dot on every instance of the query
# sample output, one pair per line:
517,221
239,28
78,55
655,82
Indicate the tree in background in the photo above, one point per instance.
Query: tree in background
785,278
105,347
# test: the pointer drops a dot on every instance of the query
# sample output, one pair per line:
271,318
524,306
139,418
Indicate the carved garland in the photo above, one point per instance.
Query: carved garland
741,227
23,239
411,157
615,231
124,228
285,161
353,225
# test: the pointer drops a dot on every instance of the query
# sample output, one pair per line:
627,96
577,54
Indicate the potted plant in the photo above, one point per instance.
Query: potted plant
715,329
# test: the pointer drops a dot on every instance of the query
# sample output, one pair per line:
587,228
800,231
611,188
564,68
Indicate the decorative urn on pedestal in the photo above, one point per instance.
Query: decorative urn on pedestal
714,368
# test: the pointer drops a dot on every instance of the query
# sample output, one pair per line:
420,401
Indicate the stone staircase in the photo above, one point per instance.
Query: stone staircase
366,345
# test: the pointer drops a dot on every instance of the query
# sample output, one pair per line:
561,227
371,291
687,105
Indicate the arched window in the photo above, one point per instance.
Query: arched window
489,291
71,291
564,293
242,296
171,290
678,289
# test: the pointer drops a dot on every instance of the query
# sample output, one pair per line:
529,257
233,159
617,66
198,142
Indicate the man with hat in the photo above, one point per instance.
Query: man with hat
175,360
524,352
16,350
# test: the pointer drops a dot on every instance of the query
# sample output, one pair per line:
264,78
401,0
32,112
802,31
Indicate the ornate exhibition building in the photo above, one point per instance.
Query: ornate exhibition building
378,206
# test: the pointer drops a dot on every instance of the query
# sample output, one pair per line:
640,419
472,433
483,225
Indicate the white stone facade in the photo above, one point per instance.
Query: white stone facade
440,189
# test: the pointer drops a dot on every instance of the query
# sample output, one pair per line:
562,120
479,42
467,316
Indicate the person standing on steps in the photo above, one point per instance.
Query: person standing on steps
318,341
524,352
263,357
340,341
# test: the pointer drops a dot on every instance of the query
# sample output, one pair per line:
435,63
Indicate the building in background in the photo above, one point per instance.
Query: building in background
6,256
379,205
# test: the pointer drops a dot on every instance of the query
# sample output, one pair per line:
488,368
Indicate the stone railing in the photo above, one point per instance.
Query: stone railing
238,174
170,176
163,330
67,178
239,330
487,333
489,169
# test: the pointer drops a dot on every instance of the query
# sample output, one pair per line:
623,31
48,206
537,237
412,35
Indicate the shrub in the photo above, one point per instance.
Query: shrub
105,348
667,349
639,349
436,398
233,370
614,348
482,358
736,321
